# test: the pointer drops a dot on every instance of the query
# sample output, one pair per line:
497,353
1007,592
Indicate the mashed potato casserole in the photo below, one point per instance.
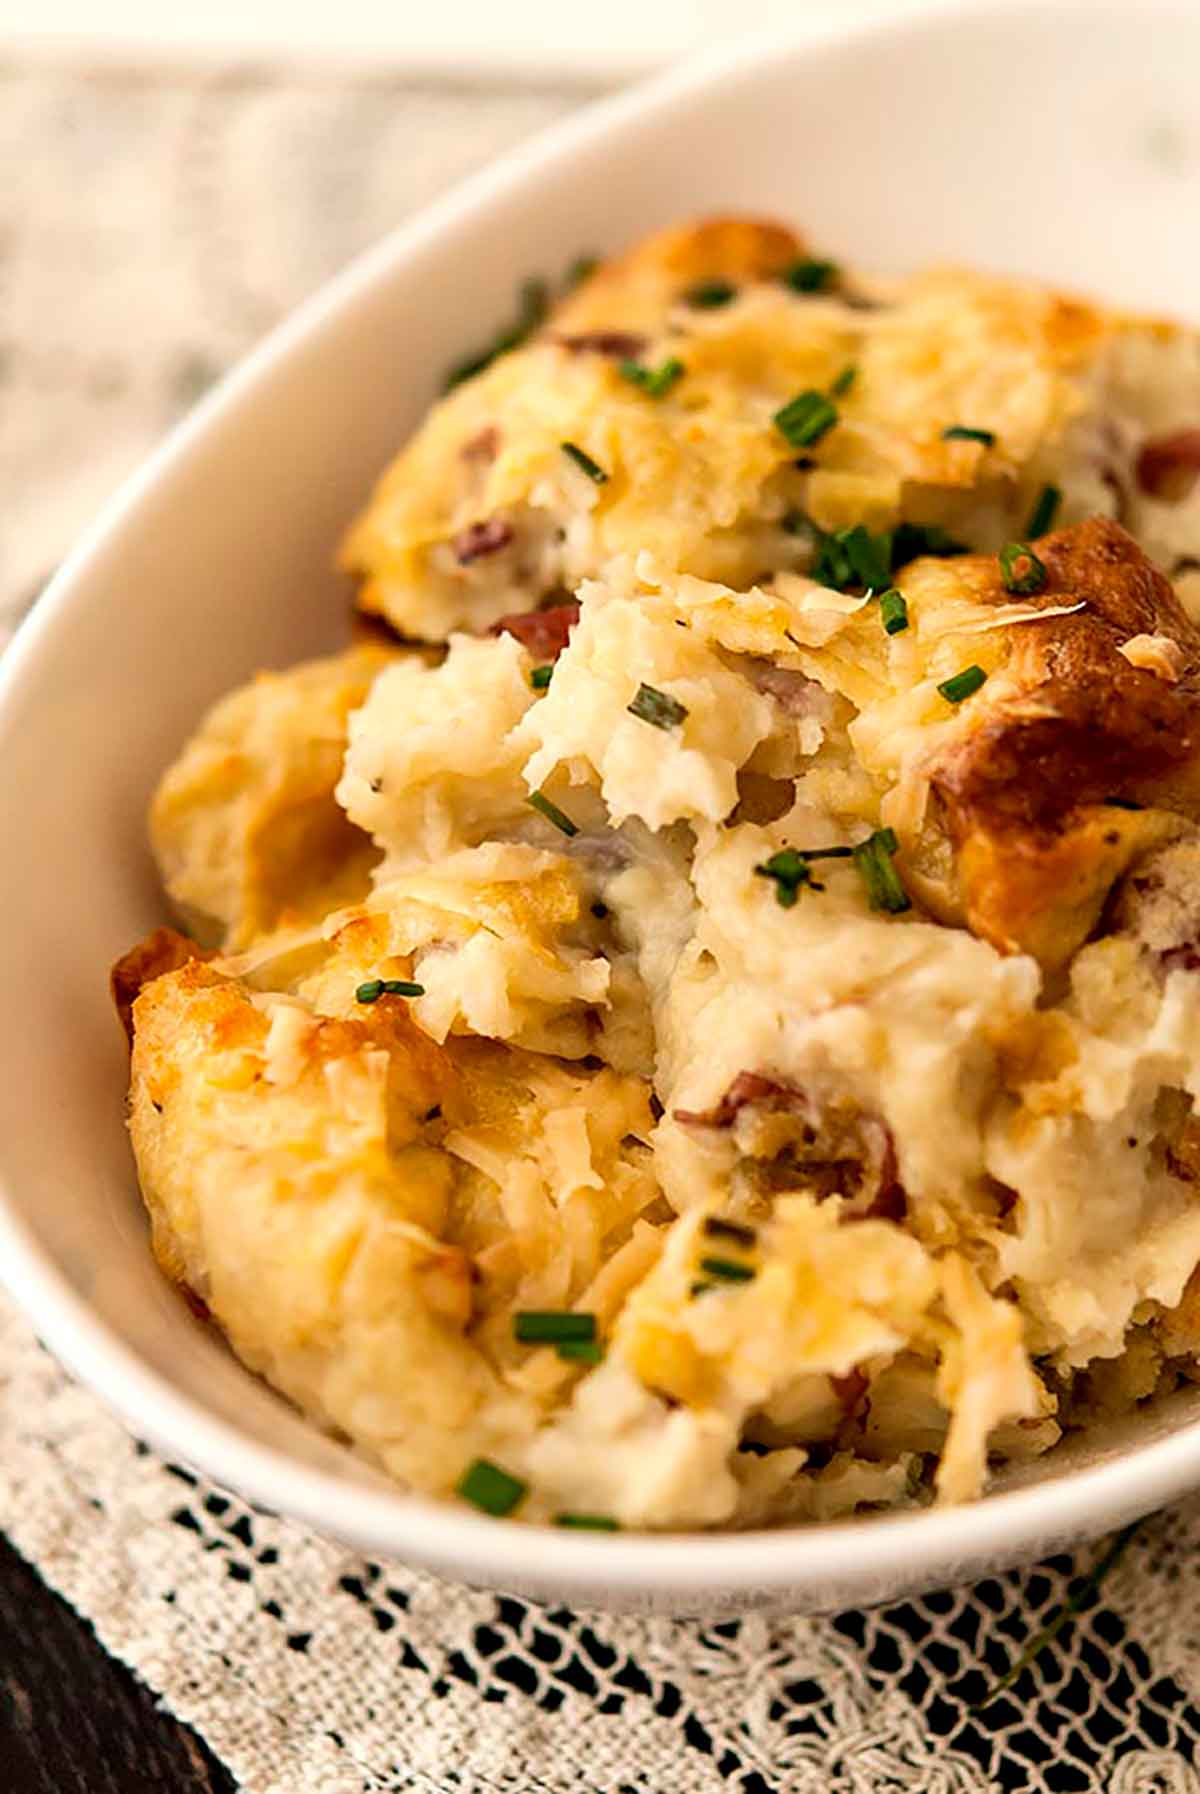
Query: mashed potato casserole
694,1019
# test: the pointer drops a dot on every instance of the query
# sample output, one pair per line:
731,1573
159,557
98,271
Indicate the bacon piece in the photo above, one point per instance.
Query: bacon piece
852,1392
197,1304
623,343
1169,466
794,692
747,1088
488,536
830,1150
543,632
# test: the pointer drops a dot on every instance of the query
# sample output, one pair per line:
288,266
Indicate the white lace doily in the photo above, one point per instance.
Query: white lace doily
149,229
310,1671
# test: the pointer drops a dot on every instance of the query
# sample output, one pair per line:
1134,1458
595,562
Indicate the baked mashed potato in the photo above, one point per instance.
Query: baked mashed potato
700,1026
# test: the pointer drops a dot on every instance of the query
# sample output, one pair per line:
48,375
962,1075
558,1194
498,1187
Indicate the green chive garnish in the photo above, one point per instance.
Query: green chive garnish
852,557
588,1522
583,460
893,611
654,382
580,1351
790,870
1081,1595
541,803
719,1229
657,707
1041,518
870,557
964,433
806,418
706,295
486,1486
534,304
810,276
1122,803
844,381
727,1270
551,1326
873,858
912,539
1032,579
374,988
540,677
962,685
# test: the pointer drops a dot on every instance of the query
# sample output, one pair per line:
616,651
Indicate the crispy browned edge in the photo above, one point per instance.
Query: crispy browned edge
1073,724
656,270
164,950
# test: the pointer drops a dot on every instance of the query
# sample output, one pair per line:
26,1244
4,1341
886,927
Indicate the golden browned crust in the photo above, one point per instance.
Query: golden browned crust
162,951
635,290
1076,722
1072,724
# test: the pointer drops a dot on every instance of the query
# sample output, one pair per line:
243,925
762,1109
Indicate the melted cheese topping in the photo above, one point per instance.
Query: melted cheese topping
877,1191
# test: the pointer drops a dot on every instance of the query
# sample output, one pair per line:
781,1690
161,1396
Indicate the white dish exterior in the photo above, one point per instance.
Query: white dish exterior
214,561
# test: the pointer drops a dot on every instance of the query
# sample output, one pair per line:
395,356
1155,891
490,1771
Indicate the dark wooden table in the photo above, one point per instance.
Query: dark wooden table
74,1722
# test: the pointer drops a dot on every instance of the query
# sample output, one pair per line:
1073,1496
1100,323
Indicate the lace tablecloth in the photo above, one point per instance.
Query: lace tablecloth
150,228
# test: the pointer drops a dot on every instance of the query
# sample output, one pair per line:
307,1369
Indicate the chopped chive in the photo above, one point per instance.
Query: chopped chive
707,295
374,988
583,460
893,611
719,1229
728,1270
654,382
552,1326
790,870
810,275
533,306
873,857
488,1487
851,557
657,707
1122,803
1081,1595
541,803
1044,511
579,271
964,433
912,539
844,381
870,557
580,1351
806,418
540,677
1034,576
962,684
588,1522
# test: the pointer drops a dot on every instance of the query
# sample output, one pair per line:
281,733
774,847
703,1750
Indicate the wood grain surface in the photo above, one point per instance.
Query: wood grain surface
74,1722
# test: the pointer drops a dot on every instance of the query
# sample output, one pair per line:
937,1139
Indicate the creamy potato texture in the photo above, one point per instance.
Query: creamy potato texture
700,1028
